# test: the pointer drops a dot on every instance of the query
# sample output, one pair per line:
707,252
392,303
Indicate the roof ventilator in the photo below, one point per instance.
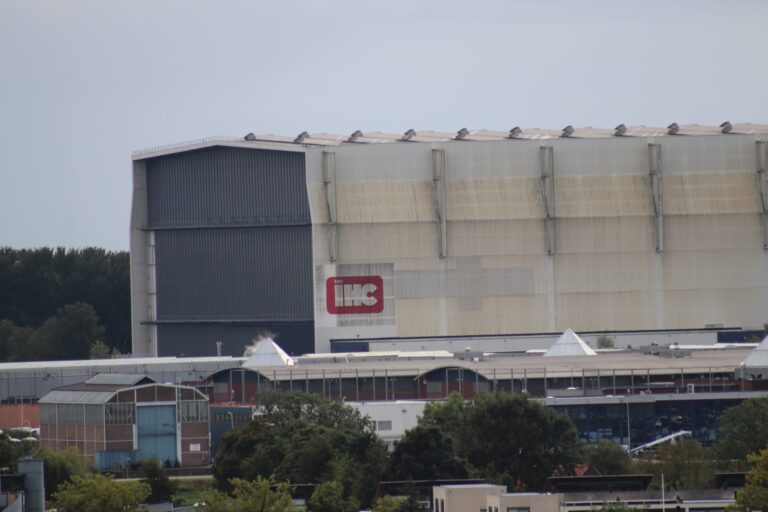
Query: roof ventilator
726,127
620,130
355,135
673,129
567,131
408,135
300,137
461,134
250,137
514,133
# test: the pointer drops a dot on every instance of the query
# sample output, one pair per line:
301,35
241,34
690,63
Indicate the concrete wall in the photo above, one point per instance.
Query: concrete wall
605,272
463,498
532,501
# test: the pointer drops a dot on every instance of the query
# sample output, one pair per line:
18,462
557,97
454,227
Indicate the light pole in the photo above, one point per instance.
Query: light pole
231,420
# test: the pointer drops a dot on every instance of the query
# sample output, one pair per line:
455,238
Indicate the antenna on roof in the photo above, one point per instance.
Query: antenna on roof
620,130
461,134
514,133
673,129
411,133
726,127
300,137
250,137
355,135
567,131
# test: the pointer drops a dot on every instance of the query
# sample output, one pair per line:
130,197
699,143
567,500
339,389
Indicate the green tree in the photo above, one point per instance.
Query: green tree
411,504
386,504
685,465
608,458
329,497
60,467
425,453
161,486
255,496
743,429
507,438
10,452
67,335
754,495
304,438
37,282
604,342
98,493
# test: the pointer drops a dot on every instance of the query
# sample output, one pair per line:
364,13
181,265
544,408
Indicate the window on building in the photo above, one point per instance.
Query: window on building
518,509
383,426
434,387
119,414
193,411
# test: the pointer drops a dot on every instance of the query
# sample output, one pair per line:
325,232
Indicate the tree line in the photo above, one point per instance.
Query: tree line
499,437
63,303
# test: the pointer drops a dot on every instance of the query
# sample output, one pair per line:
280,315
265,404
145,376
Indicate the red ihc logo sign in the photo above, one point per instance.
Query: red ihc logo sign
349,295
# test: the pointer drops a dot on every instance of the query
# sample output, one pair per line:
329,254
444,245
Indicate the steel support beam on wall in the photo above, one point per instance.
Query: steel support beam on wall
654,168
547,158
329,181
439,197
762,166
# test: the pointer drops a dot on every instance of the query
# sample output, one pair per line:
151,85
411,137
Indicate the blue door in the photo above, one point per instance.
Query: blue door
156,429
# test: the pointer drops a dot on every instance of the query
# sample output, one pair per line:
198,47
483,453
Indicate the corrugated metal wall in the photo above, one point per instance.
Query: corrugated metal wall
227,187
604,272
234,274
233,243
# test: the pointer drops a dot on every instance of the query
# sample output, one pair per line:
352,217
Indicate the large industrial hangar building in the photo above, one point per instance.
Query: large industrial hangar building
322,237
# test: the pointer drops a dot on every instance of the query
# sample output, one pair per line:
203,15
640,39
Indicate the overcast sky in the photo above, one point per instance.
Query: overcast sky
85,83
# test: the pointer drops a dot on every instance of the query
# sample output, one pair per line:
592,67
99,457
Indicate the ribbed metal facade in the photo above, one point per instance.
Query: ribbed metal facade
232,249
297,337
262,274
219,187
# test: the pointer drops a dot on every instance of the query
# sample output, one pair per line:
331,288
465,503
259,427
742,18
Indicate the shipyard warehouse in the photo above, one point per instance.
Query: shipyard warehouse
317,238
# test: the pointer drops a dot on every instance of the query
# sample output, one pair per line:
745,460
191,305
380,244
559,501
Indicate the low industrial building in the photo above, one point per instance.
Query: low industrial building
579,494
115,419
632,397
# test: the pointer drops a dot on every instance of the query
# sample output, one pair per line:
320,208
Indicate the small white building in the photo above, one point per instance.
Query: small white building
392,419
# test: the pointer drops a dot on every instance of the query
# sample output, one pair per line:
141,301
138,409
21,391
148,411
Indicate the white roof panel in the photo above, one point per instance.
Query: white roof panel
569,344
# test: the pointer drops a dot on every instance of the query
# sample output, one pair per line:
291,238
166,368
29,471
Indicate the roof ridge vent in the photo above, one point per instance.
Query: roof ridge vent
461,134
300,137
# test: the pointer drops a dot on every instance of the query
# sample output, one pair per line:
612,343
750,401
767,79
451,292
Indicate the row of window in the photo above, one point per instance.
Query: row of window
114,414
71,414
233,419
192,411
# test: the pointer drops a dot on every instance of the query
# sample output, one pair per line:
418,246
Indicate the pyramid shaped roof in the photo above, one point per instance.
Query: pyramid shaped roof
569,344
265,352
758,358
